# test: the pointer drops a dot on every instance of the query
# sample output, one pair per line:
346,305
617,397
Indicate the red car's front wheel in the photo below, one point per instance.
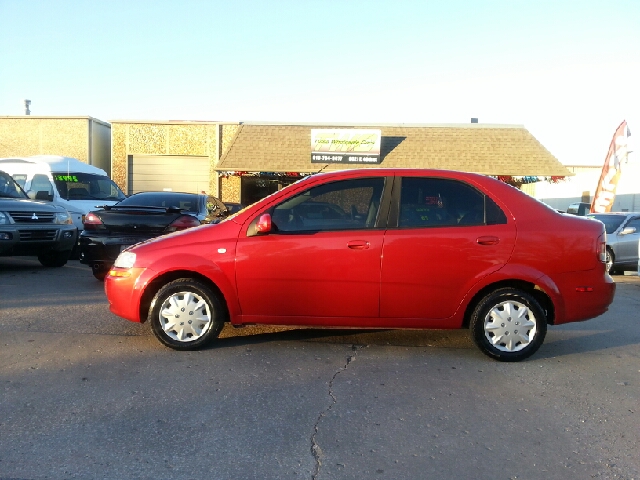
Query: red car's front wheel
186,315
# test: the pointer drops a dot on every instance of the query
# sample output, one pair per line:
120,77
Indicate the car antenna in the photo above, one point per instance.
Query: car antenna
319,171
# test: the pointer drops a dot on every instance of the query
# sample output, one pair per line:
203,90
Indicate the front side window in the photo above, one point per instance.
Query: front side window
438,202
635,223
342,205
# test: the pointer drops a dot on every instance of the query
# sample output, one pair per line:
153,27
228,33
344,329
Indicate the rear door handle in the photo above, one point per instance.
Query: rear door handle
487,240
358,244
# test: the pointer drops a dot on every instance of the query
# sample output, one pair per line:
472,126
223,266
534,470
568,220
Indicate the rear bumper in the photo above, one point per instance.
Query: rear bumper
95,249
585,295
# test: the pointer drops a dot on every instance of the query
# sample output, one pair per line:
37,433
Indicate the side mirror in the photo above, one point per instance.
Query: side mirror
628,230
264,223
260,226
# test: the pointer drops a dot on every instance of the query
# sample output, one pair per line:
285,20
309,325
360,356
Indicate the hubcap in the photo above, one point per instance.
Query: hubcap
185,316
510,326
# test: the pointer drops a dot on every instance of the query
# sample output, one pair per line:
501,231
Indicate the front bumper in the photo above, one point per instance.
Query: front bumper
34,240
124,292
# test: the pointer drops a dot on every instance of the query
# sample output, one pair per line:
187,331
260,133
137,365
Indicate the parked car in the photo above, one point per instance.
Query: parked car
33,228
68,182
579,208
623,235
233,207
140,217
422,249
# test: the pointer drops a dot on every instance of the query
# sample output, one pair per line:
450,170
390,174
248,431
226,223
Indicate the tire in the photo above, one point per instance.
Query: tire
54,259
100,271
508,325
202,312
609,258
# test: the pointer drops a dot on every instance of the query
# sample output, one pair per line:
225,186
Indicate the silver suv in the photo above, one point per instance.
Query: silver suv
623,235
29,227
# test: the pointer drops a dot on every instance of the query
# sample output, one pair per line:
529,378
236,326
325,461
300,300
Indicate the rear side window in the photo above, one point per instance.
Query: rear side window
611,222
437,202
495,215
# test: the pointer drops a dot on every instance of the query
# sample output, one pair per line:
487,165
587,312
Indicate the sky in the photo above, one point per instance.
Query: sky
569,71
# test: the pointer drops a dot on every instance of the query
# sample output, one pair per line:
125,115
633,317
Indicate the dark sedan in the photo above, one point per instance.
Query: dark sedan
140,217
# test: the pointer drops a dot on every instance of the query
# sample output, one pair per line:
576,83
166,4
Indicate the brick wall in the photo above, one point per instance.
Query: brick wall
26,136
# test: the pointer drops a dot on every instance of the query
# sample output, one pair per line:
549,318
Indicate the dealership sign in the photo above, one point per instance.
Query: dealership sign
345,146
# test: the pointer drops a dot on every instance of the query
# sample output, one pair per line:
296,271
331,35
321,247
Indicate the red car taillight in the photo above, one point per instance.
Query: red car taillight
181,223
93,222
602,248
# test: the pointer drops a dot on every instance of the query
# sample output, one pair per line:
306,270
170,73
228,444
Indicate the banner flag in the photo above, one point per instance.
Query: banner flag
616,157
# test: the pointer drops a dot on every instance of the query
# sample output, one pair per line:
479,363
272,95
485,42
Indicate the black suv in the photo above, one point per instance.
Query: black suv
29,227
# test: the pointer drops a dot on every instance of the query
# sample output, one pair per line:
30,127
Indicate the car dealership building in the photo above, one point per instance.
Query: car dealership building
245,161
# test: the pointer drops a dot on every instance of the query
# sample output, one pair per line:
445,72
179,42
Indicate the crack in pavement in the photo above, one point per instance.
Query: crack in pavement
316,451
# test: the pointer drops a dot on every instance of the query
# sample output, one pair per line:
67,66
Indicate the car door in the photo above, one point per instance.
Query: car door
628,243
447,235
321,259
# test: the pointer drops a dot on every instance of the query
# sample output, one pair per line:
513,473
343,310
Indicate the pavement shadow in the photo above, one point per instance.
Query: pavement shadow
232,337
585,343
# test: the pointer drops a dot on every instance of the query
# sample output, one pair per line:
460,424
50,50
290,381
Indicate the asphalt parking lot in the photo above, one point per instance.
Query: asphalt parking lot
84,394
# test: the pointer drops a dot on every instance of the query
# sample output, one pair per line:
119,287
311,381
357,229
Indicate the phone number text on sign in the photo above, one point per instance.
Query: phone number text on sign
316,158
327,158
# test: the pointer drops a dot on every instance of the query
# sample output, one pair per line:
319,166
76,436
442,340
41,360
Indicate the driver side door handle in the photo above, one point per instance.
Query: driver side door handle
487,240
358,245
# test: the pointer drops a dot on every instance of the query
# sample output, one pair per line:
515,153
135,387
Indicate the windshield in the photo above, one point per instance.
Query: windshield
87,186
611,222
9,188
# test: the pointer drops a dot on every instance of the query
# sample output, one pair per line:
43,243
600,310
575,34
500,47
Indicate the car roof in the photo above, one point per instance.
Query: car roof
614,213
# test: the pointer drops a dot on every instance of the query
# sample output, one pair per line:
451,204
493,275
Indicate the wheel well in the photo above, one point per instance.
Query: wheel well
157,283
610,250
532,289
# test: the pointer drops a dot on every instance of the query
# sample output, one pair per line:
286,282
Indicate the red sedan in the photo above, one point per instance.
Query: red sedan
374,248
